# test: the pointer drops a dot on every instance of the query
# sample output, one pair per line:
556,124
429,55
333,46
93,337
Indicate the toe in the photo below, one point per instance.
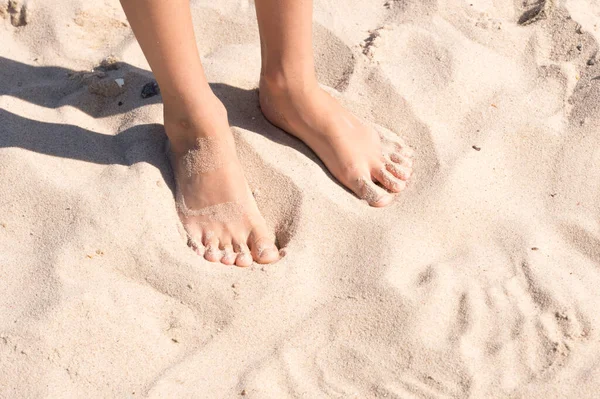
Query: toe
196,246
401,159
407,151
388,180
372,193
244,257
212,252
400,171
262,245
229,256
403,149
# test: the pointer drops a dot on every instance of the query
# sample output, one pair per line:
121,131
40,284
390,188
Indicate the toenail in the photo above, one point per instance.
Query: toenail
211,251
265,251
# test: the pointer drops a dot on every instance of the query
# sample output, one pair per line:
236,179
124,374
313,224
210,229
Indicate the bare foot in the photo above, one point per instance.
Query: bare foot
214,201
355,154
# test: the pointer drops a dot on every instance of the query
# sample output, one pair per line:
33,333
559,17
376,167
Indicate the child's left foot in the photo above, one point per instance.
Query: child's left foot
355,154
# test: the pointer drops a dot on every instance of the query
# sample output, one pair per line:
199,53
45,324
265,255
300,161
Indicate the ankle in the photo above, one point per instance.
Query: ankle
280,83
187,121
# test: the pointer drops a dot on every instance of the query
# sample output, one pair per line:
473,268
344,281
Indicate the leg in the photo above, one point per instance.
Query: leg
214,201
291,98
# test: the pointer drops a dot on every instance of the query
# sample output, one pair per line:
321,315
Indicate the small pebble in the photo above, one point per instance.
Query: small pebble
110,63
476,148
191,287
150,90
579,47
120,103
243,393
174,340
591,62
534,248
233,285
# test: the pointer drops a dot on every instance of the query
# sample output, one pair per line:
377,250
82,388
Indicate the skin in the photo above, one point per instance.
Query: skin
290,98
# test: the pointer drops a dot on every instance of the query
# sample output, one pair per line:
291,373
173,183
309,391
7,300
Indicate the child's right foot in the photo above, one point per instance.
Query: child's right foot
214,201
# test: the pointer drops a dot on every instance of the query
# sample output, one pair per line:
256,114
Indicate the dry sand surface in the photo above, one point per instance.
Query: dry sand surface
482,280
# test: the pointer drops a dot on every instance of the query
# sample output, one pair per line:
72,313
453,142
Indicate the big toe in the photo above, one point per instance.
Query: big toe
262,245
375,196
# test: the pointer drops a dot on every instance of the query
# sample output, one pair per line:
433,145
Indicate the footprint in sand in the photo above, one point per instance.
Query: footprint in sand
278,198
18,10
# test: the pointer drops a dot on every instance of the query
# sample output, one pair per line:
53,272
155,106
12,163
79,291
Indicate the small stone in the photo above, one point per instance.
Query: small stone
110,63
591,62
534,248
233,285
99,252
191,287
243,393
150,90
174,340
120,103
579,47
476,148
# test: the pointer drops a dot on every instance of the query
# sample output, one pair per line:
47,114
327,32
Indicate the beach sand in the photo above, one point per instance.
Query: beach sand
481,280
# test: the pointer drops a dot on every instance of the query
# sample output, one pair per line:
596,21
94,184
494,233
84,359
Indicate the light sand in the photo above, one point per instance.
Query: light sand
481,280
207,156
